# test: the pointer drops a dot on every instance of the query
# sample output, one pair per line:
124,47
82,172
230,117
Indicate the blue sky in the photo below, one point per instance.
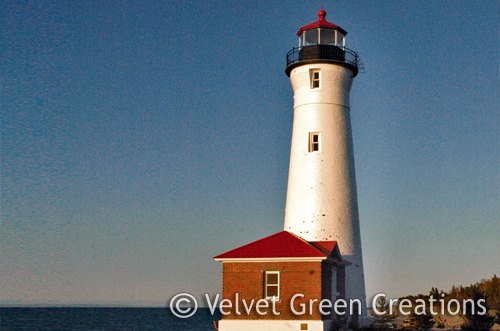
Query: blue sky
142,138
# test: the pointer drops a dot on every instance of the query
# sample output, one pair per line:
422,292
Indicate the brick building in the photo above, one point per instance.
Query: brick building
278,283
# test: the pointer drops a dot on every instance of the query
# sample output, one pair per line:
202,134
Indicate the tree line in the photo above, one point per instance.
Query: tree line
487,290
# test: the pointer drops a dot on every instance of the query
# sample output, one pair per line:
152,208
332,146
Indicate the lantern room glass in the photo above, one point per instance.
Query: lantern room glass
321,36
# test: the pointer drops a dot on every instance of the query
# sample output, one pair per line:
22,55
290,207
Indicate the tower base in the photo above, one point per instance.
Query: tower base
274,325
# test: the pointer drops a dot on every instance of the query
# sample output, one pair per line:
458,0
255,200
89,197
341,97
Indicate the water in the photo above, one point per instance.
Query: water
103,319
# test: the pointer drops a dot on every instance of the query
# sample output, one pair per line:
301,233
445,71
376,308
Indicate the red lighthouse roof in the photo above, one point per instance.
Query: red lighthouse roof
321,23
282,245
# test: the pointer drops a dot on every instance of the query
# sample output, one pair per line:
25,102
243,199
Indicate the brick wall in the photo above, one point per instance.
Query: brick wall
247,279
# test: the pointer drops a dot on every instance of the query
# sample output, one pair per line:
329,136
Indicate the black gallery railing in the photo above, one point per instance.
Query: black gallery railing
331,53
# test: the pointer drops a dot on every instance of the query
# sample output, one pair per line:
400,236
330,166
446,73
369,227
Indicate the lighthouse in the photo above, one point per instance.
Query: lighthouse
321,202
317,259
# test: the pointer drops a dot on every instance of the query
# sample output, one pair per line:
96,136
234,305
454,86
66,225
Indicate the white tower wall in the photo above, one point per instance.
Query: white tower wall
321,202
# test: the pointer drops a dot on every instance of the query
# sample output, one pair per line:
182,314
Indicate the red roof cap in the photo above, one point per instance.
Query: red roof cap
280,245
321,23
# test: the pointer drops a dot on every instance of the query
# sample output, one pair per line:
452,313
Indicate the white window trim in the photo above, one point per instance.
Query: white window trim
265,283
312,80
311,143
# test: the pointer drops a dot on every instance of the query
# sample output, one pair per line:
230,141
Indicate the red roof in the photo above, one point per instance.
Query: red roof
325,246
321,23
281,245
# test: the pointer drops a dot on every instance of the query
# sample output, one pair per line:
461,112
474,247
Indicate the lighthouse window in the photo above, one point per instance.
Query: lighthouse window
272,284
315,79
314,142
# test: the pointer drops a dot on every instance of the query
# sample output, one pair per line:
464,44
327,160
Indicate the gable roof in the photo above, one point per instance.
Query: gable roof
325,246
281,245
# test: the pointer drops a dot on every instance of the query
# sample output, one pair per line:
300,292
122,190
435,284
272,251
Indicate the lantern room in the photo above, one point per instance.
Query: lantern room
323,42
321,32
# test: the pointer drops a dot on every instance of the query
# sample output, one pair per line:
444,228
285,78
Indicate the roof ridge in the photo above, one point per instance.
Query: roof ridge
278,245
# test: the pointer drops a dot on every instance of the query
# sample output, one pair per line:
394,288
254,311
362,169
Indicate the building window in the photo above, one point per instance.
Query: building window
303,326
314,142
315,77
272,284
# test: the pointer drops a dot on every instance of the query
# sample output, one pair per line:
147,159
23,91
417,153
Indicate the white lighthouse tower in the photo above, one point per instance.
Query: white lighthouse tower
321,203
